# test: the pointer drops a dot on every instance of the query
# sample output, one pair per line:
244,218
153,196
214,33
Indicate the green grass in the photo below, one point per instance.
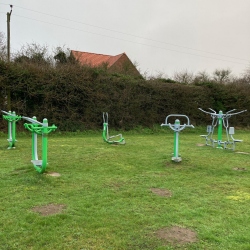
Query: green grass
106,190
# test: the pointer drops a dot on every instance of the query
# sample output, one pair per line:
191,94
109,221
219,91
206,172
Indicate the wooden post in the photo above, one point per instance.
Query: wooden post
8,54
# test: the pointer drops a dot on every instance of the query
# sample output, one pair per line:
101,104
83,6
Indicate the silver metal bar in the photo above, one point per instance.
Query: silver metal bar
212,110
176,115
207,111
32,120
236,112
230,111
8,113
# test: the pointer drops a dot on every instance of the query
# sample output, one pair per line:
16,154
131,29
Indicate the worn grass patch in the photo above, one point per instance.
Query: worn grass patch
177,236
125,197
49,209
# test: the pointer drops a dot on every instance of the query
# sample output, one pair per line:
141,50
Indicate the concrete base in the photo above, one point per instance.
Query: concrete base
37,162
176,159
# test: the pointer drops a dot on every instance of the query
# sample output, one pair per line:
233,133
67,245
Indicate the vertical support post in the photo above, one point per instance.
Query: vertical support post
219,138
8,54
10,132
44,143
8,35
34,143
176,157
13,126
176,138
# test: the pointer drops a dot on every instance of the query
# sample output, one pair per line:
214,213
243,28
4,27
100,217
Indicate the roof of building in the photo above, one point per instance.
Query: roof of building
95,59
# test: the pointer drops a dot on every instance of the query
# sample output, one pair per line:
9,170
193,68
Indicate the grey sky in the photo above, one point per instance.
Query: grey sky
162,36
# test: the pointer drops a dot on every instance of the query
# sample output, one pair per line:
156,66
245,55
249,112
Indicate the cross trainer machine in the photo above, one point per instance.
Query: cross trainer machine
105,132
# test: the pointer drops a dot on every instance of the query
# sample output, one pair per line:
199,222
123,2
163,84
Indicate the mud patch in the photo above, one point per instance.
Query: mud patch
49,209
177,235
239,169
53,174
161,192
244,153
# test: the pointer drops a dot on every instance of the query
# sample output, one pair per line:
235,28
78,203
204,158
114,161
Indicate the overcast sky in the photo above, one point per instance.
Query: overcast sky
162,36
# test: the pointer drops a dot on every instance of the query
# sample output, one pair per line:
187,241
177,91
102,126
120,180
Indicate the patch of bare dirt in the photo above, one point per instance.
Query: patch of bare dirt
177,235
49,209
239,169
244,153
53,174
200,144
161,192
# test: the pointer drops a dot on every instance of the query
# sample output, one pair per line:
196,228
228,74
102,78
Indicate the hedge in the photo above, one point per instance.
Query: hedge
73,97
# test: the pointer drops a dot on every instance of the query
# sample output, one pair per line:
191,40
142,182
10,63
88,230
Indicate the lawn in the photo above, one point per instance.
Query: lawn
125,196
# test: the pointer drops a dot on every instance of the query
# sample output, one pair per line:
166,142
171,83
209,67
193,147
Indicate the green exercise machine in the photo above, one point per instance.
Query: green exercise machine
221,120
177,128
105,133
12,118
39,128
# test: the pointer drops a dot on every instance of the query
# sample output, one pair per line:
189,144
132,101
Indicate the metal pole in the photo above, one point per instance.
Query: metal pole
176,138
8,53
44,144
13,130
177,126
10,132
34,143
220,129
8,36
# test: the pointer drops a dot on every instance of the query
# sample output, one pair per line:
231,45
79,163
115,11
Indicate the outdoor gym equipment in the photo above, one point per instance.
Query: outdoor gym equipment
12,118
177,127
105,132
38,128
221,120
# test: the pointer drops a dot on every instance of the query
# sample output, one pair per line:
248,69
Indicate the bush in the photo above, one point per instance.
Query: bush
73,97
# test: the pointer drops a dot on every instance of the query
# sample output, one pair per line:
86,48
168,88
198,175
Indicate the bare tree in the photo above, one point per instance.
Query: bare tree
34,53
184,77
222,76
202,77
3,47
246,75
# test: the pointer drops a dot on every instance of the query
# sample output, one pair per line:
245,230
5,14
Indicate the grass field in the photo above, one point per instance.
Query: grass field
105,194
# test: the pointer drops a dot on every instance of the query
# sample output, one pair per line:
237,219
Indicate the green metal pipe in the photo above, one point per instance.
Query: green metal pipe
42,129
12,118
176,138
105,136
13,130
44,144
220,121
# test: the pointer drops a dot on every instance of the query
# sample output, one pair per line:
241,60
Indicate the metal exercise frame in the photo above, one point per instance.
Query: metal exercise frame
177,127
221,120
12,118
105,132
38,128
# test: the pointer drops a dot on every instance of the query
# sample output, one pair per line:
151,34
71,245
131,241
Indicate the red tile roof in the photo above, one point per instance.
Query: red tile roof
95,59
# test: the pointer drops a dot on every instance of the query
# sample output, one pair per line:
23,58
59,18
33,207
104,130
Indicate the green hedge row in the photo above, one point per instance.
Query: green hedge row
73,97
